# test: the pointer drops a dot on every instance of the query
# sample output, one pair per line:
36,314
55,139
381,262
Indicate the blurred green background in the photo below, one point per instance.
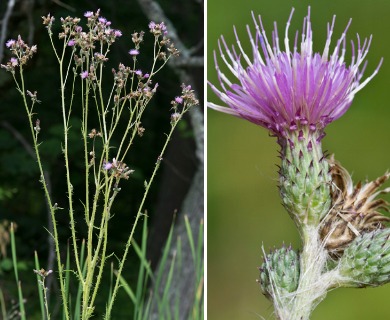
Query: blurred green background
244,210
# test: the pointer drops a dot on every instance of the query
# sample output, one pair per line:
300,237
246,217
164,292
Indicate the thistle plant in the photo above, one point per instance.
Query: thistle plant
109,126
295,93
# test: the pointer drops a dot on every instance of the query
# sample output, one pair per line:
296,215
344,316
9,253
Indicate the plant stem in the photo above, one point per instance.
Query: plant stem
139,214
310,290
67,166
46,191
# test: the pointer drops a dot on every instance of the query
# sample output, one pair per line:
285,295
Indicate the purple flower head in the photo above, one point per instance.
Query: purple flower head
175,117
117,33
138,73
133,52
146,75
283,90
71,42
178,100
102,20
88,14
14,62
163,26
107,165
157,28
10,43
84,74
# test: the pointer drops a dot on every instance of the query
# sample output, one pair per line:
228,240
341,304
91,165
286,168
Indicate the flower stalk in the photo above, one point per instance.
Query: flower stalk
83,51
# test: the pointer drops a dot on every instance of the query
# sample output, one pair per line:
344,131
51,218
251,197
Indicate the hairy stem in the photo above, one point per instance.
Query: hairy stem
139,214
311,289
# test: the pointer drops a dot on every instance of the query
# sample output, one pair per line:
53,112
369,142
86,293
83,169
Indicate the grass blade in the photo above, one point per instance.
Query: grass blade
14,262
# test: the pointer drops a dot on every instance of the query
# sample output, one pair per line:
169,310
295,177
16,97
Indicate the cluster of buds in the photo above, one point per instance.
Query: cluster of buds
140,129
94,133
21,53
33,96
100,58
121,76
48,22
160,30
182,103
43,273
99,30
136,38
68,24
144,90
118,169
78,60
188,96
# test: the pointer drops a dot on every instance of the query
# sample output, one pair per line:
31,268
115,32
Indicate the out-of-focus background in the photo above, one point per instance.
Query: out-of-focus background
244,210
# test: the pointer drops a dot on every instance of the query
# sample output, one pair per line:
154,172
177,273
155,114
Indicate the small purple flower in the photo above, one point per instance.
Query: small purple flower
10,43
117,33
157,28
102,20
14,62
88,14
107,165
146,75
84,74
178,100
78,29
163,27
175,117
283,90
133,52
138,73
71,42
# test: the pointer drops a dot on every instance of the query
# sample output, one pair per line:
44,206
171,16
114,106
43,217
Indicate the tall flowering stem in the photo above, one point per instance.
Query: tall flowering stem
110,124
295,93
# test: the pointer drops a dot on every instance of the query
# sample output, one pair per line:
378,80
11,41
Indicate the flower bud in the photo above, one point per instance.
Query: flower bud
279,272
366,262
304,180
